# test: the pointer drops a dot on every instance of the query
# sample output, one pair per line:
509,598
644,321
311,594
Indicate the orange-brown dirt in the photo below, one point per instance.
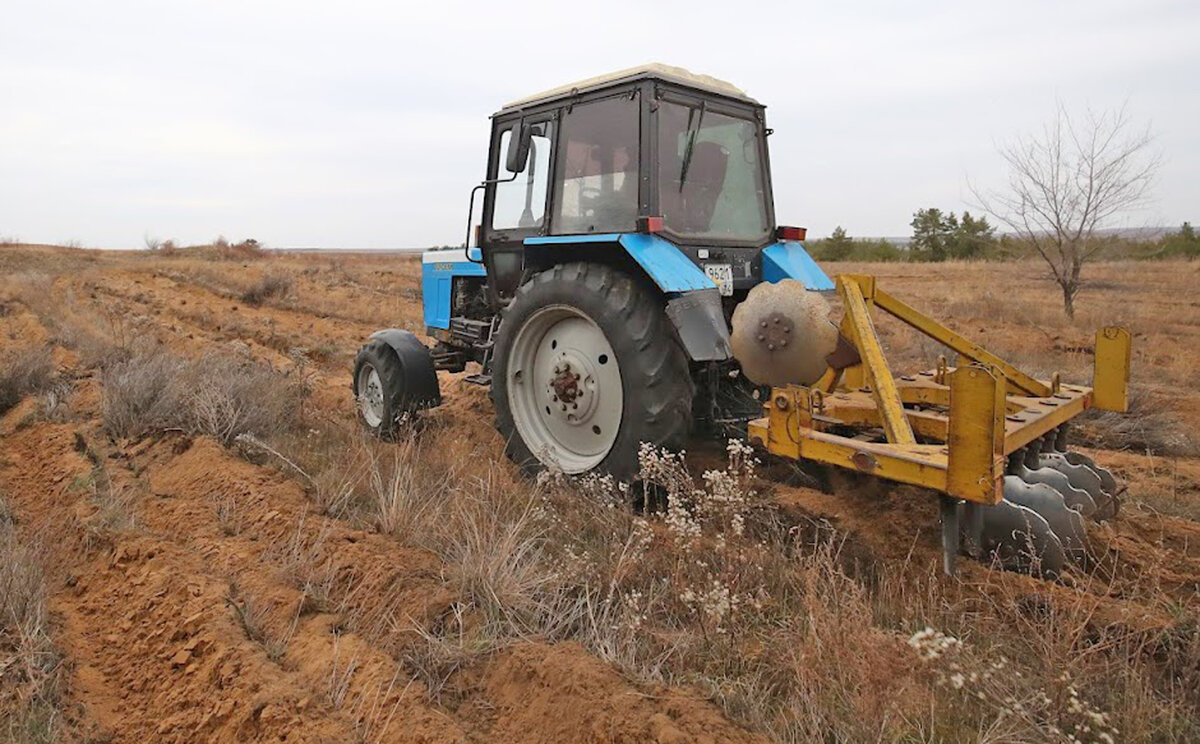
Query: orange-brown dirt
149,624
150,620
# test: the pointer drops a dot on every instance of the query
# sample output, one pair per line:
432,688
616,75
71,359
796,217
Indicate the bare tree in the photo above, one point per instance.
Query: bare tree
1069,183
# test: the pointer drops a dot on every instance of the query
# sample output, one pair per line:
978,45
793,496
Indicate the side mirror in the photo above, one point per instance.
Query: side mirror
518,147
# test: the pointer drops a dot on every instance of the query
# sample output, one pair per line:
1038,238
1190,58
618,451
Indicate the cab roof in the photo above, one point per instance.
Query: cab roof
653,70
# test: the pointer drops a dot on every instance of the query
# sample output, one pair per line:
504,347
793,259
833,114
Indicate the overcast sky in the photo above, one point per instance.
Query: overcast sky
364,125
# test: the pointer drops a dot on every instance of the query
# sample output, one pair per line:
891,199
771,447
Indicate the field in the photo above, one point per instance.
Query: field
197,543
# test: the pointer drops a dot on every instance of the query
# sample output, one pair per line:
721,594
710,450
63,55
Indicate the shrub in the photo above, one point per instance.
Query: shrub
30,371
839,247
222,249
140,394
272,285
216,395
1151,426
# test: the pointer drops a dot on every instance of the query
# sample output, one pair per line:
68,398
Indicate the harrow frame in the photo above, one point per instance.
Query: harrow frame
949,429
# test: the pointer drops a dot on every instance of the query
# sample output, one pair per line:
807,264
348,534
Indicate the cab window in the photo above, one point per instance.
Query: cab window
711,180
521,203
596,187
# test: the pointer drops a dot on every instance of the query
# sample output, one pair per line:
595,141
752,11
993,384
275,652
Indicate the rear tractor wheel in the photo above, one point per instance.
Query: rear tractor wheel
586,369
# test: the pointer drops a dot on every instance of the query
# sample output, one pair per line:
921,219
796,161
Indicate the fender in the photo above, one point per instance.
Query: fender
693,302
789,260
421,388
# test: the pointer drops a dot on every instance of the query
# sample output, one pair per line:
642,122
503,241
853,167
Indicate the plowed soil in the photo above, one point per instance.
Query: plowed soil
157,623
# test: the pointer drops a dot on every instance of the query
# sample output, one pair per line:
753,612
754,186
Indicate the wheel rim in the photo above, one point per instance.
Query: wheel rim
370,395
564,389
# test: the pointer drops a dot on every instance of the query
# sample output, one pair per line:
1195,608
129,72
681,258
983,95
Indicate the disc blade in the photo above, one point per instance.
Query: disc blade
782,334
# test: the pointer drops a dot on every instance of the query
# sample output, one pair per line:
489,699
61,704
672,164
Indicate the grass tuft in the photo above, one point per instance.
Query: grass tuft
274,285
29,371
218,395
31,672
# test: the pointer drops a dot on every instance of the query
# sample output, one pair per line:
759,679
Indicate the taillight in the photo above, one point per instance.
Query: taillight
791,233
649,225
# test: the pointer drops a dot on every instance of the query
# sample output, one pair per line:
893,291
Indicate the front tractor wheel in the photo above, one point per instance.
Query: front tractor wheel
394,378
586,368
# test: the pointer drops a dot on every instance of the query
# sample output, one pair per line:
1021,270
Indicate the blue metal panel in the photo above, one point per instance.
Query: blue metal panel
438,269
670,269
569,239
789,260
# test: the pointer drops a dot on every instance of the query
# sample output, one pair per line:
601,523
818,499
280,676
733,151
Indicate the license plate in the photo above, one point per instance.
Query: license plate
722,276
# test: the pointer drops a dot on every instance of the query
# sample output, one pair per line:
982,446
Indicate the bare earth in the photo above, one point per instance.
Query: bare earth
150,621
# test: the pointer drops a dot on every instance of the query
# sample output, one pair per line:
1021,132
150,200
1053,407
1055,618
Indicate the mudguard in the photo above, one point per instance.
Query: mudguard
693,302
700,322
789,260
666,265
421,389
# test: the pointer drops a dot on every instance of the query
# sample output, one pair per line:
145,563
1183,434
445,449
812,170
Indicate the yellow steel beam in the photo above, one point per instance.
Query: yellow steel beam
1026,418
960,344
922,390
876,373
859,410
1110,380
918,464
1040,415
829,381
976,435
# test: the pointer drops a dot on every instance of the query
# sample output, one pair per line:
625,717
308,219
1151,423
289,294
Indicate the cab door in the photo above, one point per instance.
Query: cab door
516,203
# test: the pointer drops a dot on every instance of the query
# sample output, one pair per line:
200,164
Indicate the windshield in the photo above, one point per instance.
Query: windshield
710,175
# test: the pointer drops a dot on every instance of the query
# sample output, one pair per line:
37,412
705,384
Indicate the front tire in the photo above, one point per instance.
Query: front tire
394,379
586,369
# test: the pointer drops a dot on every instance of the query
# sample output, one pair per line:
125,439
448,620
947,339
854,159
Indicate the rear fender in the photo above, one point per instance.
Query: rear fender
789,260
692,301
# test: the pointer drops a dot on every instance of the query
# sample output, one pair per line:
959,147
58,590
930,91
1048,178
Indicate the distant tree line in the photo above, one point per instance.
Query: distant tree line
943,236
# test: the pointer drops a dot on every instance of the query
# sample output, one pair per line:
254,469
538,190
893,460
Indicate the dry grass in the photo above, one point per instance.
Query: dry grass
31,674
218,395
273,285
253,617
1151,426
28,371
770,622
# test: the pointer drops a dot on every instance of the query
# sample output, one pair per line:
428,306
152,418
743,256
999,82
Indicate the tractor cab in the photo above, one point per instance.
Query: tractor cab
655,150
654,171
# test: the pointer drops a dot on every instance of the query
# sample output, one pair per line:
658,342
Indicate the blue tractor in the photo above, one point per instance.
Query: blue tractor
629,284
624,219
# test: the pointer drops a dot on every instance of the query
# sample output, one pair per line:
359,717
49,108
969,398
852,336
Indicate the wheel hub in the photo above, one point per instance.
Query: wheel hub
370,395
565,384
572,390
